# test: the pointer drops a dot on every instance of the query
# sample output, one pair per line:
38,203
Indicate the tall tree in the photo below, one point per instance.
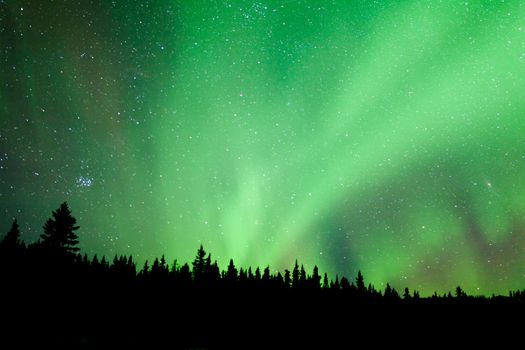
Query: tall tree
231,274
335,285
295,275
460,293
243,277
388,291
287,278
266,276
326,282
59,231
416,294
316,278
302,276
199,264
12,238
345,284
406,294
360,283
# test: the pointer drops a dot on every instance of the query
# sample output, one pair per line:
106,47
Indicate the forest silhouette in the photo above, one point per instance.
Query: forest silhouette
53,294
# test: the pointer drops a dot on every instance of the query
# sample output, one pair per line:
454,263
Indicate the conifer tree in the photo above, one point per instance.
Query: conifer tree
12,238
231,273
59,231
326,282
295,275
287,278
360,283
199,264
316,279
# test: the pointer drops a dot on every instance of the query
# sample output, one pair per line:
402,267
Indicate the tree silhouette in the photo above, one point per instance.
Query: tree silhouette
316,279
199,264
326,282
59,231
11,240
145,269
231,274
335,285
302,276
360,283
287,278
416,294
391,293
266,276
243,277
459,292
388,290
257,277
406,294
295,275
345,284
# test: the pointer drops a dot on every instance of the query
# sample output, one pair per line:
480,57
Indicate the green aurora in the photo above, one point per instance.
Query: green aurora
386,136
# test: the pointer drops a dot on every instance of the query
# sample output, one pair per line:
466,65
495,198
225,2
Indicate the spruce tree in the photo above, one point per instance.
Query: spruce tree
287,278
406,294
360,283
316,279
326,282
59,231
12,238
199,264
295,275
231,274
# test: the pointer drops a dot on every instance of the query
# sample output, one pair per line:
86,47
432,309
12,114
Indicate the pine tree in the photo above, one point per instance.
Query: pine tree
460,293
250,276
287,279
416,294
231,274
144,273
295,275
326,282
266,275
360,283
406,294
278,280
173,273
59,231
12,238
302,277
316,279
207,268
155,269
163,266
388,291
335,285
199,264
345,284
104,263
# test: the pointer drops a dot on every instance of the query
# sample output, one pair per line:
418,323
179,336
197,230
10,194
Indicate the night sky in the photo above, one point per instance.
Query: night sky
386,136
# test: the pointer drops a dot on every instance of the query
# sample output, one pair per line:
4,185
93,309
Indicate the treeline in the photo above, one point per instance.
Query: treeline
52,295
56,253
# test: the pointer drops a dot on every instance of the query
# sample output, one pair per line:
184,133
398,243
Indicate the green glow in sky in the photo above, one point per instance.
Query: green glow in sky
384,136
